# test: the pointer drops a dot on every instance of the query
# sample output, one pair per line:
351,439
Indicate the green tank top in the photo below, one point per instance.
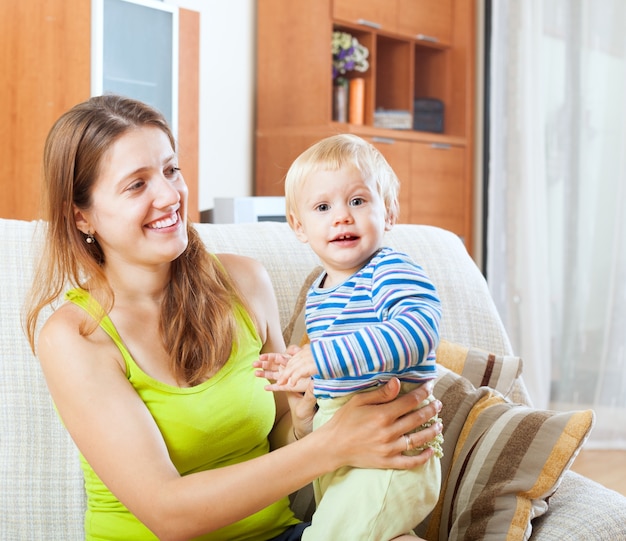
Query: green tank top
223,421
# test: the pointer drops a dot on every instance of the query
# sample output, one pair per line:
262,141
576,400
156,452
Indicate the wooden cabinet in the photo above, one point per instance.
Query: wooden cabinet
417,49
432,185
45,63
398,155
379,14
45,70
426,20
438,191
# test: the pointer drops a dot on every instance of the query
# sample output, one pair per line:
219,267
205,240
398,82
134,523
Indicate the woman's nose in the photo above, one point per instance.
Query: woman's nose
165,194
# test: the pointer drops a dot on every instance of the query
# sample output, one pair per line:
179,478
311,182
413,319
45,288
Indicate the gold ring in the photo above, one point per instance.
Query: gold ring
409,443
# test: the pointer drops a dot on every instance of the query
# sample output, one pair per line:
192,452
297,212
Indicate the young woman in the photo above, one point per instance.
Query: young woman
149,360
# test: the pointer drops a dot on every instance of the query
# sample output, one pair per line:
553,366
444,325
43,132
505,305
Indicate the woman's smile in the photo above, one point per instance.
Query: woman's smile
165,222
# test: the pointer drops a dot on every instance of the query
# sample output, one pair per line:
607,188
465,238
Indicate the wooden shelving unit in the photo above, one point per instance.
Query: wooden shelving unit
417,49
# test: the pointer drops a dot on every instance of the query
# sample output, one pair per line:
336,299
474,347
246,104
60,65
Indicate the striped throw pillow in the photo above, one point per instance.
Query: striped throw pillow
501,463
480,367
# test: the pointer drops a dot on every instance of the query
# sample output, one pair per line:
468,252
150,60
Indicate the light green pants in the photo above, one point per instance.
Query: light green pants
359,504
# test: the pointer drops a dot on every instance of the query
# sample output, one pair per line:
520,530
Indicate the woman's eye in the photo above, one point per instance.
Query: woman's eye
172,171
136,185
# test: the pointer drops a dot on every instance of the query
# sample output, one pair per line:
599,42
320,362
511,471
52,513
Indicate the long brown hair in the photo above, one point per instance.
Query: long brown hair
197,322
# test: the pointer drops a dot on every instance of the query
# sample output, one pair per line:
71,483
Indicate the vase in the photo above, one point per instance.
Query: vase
356,100
340,101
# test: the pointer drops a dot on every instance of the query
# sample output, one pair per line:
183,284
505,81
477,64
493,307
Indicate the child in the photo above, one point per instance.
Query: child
371,315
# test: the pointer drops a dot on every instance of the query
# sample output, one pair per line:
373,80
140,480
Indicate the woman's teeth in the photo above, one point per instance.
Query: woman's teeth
160,224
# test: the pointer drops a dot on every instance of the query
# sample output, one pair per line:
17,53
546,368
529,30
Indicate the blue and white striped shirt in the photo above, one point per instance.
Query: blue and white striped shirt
381,322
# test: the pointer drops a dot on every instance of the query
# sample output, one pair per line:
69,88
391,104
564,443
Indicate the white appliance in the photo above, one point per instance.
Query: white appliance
231,210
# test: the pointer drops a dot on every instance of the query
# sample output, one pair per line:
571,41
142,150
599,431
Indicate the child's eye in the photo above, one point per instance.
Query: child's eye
322,207
357,201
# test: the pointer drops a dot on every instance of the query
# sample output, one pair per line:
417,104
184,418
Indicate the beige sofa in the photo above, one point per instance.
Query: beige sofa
41,494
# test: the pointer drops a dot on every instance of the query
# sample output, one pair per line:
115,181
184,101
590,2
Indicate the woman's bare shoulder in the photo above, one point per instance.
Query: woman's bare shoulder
247,272
254,283
63,337
63,324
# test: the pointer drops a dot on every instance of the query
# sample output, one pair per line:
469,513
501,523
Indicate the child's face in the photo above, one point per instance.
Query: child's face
343,218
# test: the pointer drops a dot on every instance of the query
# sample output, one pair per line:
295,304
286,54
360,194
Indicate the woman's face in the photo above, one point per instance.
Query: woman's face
139,201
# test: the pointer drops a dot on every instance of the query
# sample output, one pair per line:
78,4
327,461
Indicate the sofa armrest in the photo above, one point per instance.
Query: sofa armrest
582,509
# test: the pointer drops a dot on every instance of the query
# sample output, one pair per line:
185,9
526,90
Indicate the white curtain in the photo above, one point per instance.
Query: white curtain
556,225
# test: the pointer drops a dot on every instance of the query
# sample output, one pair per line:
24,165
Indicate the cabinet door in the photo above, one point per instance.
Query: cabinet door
439,191
398,155
45,71
374,13
428,20
293,64
275,152
129,61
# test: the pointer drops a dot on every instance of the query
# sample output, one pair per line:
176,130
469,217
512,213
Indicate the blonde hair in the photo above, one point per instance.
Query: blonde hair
197,324
335,152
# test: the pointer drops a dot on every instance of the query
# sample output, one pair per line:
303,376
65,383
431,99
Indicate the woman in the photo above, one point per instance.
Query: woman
149,363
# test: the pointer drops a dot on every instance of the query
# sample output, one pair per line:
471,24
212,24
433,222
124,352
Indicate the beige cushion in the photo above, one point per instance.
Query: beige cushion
41,483
482,368
501,461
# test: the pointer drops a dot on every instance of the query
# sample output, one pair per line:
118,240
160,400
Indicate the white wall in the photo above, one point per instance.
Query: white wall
227,79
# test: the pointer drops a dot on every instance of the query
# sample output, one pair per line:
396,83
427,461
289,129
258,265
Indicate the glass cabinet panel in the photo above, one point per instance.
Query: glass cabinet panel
135,52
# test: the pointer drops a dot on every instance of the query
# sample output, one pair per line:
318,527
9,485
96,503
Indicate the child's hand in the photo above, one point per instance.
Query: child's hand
290,372
300,366
270,365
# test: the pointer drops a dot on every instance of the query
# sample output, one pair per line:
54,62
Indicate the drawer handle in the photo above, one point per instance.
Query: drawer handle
424,37
384,140
441,146
371,24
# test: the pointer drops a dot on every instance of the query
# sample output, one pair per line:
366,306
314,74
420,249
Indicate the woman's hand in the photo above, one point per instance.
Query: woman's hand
303,407
368,431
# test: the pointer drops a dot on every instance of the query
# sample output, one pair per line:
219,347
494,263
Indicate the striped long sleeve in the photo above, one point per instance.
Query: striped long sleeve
383,321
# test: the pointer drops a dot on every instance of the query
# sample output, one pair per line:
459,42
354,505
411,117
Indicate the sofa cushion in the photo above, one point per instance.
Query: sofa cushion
482,368
295,331
501,463
41,483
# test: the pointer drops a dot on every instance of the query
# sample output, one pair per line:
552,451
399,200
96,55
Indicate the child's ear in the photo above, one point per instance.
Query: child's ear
297,227
390,221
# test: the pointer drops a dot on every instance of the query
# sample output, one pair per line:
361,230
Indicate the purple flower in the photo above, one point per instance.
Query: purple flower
348,54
